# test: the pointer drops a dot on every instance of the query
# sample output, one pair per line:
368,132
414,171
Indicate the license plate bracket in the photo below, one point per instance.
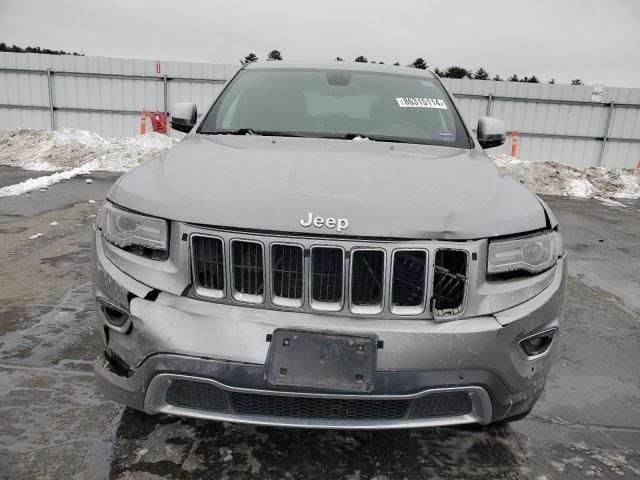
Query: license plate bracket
322,360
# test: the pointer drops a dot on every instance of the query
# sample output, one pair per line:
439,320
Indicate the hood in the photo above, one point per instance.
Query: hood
381,189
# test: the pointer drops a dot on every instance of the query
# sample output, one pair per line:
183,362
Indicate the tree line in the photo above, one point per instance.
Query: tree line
454,71
14,48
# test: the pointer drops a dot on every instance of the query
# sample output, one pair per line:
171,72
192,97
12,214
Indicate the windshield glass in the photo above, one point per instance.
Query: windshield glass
337,104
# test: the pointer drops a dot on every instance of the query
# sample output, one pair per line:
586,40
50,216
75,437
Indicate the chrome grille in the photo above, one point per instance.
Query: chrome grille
287,272
423,279
367,279
208,266
248,270
327,271
409,281
450,281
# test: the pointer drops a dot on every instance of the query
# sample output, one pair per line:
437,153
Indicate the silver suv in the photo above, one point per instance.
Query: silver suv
328,247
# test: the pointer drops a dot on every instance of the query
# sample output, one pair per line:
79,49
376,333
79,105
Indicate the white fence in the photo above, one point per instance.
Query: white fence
106,95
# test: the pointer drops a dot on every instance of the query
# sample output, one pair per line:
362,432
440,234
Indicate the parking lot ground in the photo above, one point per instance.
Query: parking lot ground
55,424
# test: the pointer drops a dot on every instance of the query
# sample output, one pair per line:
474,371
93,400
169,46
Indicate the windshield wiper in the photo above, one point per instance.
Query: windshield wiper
251,131
239,131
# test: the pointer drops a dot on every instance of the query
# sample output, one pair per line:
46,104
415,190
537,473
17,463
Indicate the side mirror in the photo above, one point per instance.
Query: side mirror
183,116
490,132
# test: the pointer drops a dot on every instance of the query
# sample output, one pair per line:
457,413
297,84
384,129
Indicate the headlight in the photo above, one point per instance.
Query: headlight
532,254
132,231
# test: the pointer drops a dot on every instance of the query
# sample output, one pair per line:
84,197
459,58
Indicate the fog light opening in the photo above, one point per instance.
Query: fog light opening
537,345
115,316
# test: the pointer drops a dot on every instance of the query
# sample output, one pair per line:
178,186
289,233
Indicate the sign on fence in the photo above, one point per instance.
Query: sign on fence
597,95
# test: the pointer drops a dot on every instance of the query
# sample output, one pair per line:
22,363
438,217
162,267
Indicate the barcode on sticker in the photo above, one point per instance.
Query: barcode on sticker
421,102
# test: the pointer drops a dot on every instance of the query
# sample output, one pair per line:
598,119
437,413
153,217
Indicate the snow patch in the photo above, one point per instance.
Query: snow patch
551,178
45,181
610,203
71,152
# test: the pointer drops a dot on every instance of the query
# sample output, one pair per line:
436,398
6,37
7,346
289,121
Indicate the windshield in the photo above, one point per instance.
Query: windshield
337,104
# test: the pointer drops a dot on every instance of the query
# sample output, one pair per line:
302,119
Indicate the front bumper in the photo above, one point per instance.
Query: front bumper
170,338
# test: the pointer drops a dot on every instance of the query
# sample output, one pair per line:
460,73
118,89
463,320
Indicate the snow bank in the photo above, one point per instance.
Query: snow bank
71,152
70,148
550,178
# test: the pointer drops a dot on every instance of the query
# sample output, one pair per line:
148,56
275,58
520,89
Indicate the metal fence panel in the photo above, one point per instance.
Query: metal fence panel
106,95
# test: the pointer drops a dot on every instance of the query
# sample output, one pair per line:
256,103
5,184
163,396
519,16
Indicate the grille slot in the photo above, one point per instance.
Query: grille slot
287,272
327,271
196,395
208,266
408,284
328,408
367,280
441,405
248,271
449,282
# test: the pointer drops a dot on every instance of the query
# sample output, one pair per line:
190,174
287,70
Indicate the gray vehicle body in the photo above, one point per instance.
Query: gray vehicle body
261,189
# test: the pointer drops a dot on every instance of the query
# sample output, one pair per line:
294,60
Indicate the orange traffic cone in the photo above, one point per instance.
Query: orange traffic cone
514,143
143,121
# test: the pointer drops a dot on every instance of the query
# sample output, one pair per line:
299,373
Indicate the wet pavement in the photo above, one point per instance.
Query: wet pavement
55,424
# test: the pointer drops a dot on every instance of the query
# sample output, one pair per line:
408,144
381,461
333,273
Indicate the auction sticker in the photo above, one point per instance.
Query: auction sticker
421,102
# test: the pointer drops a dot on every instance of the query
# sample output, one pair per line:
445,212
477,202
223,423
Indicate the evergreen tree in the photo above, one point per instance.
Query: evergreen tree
552,81
455,71
481,74
419,63
274,55
338,59
497,78
439,72
533,79
576,81
361,59
249,59
513,78
397,64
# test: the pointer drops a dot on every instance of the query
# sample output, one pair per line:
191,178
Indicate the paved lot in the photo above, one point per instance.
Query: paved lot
55,424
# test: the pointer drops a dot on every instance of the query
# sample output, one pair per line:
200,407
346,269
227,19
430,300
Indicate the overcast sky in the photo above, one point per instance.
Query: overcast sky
595,40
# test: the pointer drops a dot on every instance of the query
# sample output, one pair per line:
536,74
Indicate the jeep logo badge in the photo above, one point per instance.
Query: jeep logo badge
330,222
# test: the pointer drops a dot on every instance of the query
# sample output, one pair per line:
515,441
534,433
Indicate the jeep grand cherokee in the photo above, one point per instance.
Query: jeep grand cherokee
328,247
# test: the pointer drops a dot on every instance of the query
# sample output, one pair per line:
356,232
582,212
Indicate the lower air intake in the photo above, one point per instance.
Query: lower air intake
196,395
441,405
450,279
328,408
